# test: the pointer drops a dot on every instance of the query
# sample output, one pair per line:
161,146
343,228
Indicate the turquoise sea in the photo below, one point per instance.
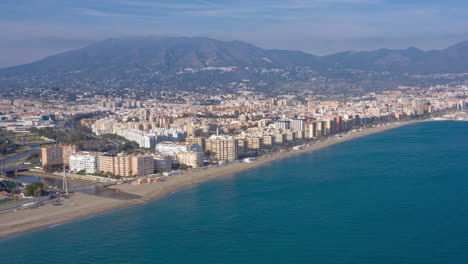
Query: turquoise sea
400,196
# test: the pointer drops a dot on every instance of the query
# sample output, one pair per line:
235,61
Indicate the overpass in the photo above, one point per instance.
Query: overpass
15,169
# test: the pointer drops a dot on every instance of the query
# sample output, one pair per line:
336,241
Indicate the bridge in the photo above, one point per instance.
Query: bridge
15,169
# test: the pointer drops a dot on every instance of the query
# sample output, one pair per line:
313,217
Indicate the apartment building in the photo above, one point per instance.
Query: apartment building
86,161
173,148
125,165
225,147
162,163
190,158
57,155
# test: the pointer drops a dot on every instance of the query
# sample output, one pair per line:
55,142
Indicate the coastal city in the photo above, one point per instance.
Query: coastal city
115,141
227,132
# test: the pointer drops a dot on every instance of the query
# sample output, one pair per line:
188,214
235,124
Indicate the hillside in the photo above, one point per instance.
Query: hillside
205,65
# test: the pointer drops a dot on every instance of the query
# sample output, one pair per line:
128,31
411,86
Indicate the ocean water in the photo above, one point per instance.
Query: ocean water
400,196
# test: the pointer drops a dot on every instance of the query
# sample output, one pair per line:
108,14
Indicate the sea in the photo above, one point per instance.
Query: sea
400,196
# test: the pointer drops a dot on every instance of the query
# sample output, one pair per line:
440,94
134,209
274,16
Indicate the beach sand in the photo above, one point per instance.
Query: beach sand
81,205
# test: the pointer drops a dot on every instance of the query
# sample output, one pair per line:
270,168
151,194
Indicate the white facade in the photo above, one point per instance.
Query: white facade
151,138
83,161
172,148
298,124
282,124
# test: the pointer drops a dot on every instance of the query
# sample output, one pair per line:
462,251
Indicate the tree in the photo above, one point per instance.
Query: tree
36,189
81,172
51,168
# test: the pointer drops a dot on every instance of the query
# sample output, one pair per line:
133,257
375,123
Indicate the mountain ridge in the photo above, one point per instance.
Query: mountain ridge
194,49
206,64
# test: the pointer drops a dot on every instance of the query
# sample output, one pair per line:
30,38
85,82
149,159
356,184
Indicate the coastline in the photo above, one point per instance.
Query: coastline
82,205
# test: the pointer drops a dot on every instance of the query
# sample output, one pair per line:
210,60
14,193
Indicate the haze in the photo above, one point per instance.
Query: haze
33,29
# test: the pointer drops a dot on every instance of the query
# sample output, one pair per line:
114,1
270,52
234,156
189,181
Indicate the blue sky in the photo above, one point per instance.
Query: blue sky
32,29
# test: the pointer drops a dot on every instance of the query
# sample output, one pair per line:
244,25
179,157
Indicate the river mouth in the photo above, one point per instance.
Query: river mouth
73,186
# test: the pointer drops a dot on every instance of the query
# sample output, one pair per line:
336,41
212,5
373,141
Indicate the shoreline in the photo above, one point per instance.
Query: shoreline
82,206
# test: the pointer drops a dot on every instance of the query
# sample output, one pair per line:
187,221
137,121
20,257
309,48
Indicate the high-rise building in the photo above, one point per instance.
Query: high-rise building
196,140
241,147
57,155
162,163
124,165
255,142
190,158
280,139
84,161
142,165
298,124
282,124
310,129
225,147
268,140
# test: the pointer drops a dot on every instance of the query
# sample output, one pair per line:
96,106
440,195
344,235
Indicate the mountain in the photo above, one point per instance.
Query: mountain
112,56
143,64
411,60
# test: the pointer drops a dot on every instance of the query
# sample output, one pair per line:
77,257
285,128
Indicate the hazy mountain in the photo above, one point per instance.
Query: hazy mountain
111,56
168,53
411,60
204,64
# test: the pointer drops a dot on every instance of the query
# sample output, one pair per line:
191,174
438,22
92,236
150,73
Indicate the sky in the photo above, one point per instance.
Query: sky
33,29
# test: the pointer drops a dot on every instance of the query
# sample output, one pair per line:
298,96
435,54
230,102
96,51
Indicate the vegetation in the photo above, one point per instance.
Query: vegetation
36,189
84,138
6,144
107,175
52,168
33,158
8,186
12,201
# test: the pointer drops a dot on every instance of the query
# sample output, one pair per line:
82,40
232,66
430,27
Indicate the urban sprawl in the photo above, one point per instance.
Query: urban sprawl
208,130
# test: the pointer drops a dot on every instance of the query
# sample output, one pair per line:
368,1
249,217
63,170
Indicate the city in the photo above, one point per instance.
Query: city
261,131
165,138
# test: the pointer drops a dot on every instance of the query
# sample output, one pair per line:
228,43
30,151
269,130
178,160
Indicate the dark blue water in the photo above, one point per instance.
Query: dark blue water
396,197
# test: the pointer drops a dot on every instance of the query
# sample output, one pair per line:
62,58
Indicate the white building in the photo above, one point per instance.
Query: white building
86,161
151,138
173,148
298,124
282,124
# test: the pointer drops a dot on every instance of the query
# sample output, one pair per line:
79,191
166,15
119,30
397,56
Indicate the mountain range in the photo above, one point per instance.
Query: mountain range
188,62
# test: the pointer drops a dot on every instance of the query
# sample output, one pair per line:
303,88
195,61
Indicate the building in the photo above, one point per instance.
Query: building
196,140
282,124
225,147
141,165
125,165
173,148
84,161
162,163
298,124
190,158
57,155
255,143
280,139
268,140
310,129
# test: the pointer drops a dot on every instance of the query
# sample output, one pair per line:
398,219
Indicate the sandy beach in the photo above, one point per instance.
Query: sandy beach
81,205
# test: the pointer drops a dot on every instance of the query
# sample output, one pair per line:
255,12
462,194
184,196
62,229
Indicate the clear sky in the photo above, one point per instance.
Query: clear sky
32,29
